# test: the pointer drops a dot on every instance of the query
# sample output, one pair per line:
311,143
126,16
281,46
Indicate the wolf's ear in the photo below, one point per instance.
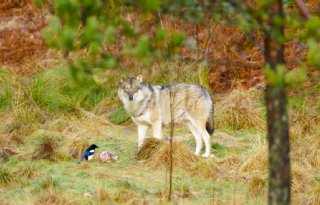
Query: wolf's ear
139,78
120,81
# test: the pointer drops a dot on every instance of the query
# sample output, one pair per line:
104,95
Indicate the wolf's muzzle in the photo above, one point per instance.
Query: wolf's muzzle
130,97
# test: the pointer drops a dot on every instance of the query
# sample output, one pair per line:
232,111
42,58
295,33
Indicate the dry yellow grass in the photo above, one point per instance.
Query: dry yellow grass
256,185
182,156
6,146
149,147
53,197
48,145
19,123
123,196
47,149
2,202
304,122
301,178
85,165
103,196
256,161
230,163
157,154
240,110
206,169
26,170
77,147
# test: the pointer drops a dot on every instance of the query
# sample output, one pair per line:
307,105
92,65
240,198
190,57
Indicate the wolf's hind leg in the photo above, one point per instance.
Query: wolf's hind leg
142,131
157,129
197,137
207,142
201,128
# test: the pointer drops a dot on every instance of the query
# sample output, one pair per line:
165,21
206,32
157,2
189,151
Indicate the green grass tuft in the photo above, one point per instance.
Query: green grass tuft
119,116
6,176
6,96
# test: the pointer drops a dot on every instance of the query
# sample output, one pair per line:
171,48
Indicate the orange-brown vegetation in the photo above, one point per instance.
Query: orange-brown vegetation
235,58
21,43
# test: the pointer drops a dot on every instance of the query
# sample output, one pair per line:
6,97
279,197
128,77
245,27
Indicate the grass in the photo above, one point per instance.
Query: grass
46,149
53,119
240,110
57,91
122,181
77,146
119,116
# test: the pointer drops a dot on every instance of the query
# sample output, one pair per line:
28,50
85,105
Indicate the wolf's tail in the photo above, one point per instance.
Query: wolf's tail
210,122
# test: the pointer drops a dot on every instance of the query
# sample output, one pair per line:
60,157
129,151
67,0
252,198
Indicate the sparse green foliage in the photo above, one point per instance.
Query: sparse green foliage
275,77
91,26
314,52
295,78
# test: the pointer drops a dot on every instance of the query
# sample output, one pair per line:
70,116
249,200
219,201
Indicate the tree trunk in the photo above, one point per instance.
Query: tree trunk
276,99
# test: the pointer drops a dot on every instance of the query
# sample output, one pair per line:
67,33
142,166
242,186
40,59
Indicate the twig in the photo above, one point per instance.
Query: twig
236,63
255,41
303,8
159,15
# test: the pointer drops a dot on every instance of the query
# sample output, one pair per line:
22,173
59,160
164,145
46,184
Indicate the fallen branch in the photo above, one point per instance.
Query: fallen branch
236,63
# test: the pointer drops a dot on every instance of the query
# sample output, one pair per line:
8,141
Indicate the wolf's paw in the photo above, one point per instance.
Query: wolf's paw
207,155
196,153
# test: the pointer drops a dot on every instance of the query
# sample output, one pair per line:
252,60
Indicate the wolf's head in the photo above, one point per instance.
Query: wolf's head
131,88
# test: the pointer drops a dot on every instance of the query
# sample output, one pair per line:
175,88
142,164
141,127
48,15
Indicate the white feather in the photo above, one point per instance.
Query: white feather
90,157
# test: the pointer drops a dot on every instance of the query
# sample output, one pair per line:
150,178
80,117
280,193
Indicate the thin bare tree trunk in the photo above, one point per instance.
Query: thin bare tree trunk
276,99
172,97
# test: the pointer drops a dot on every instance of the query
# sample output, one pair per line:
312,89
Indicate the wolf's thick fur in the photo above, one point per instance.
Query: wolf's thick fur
149,105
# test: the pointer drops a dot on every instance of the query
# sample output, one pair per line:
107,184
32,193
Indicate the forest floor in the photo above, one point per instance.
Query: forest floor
47,119
60,180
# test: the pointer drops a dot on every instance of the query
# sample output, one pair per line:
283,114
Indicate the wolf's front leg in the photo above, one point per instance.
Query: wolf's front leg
157,129
142,131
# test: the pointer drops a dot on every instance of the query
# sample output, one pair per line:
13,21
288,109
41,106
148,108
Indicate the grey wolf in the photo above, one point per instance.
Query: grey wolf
88,153
149,105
